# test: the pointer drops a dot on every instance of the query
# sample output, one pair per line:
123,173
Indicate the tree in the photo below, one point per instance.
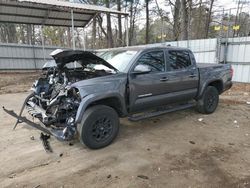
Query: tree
8,33
184,20
147,22
134,11
208,18
176,25
109,28
119,24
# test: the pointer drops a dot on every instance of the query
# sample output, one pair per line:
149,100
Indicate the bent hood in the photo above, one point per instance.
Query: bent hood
62,57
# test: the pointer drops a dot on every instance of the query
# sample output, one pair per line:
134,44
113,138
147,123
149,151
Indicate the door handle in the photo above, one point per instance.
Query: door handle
192,76
164,79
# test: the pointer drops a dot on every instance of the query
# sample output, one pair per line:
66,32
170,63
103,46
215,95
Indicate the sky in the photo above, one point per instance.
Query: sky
218,7
219,4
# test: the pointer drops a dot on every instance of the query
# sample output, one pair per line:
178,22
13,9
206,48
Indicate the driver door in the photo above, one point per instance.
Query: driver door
147,89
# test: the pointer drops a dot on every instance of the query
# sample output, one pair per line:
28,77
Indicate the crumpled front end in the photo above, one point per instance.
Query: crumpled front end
56,97
55,106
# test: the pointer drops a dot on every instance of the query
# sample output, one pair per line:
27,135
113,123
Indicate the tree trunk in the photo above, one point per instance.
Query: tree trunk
33,35
184,20
236,17
3,33
68,37
109,29
176,26
93,42
199,30
161,15
209,18
29,34
11,28
131,28
119,24
147,22
190,15
99,38
22,34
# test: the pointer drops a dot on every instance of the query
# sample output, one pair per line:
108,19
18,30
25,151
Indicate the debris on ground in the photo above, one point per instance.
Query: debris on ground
236,124
61,154
12,176
200,119
143,177
223,137
37,186
32,138
191,142
109,176
44,138
156,120
71,144
248,102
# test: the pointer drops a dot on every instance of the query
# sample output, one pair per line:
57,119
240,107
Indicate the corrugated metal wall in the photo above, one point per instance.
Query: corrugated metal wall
239,50
241,73
204,50
238,54
17,57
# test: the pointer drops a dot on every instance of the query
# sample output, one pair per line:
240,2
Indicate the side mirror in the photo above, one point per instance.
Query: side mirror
141,69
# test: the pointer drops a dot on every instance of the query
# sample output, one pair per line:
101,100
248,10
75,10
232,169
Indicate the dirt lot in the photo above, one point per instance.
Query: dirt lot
16,82
173,150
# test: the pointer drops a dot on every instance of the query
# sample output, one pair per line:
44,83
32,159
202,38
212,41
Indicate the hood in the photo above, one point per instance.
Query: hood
62,57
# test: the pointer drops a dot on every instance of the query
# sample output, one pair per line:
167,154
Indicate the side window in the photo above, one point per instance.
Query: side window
179,60
155,61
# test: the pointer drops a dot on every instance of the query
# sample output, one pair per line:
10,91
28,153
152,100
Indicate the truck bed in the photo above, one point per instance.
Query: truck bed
211,71
209,65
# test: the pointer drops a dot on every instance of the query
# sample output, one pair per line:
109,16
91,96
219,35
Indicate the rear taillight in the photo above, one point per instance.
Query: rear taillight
231,72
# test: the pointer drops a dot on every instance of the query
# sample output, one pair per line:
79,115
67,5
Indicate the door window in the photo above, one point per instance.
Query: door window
155,61
179,60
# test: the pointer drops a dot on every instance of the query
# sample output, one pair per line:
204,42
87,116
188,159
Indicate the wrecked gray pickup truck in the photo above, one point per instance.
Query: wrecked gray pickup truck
81,94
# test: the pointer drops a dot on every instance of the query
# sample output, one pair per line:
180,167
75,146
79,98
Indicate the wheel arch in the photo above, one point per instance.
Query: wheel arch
113,100
217,83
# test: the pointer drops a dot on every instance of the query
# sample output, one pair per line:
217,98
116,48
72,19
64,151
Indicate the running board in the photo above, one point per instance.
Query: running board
163,110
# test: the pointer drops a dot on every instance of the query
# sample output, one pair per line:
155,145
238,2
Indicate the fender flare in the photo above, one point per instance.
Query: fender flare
202,89
86,101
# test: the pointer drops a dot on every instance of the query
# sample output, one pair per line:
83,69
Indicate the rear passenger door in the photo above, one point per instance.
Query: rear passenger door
182,74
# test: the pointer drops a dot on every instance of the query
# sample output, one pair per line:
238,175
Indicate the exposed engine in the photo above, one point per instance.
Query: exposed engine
55,102
56,99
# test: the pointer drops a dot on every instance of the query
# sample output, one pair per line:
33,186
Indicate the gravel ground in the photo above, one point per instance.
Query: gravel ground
180,149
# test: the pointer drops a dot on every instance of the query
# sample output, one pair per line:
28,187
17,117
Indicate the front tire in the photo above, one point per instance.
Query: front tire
99,126
209,101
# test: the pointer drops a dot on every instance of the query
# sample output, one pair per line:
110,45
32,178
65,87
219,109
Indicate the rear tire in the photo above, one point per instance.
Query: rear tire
99,126
209,101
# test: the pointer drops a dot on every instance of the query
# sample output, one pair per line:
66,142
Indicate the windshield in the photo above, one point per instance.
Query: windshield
118,58
88,67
